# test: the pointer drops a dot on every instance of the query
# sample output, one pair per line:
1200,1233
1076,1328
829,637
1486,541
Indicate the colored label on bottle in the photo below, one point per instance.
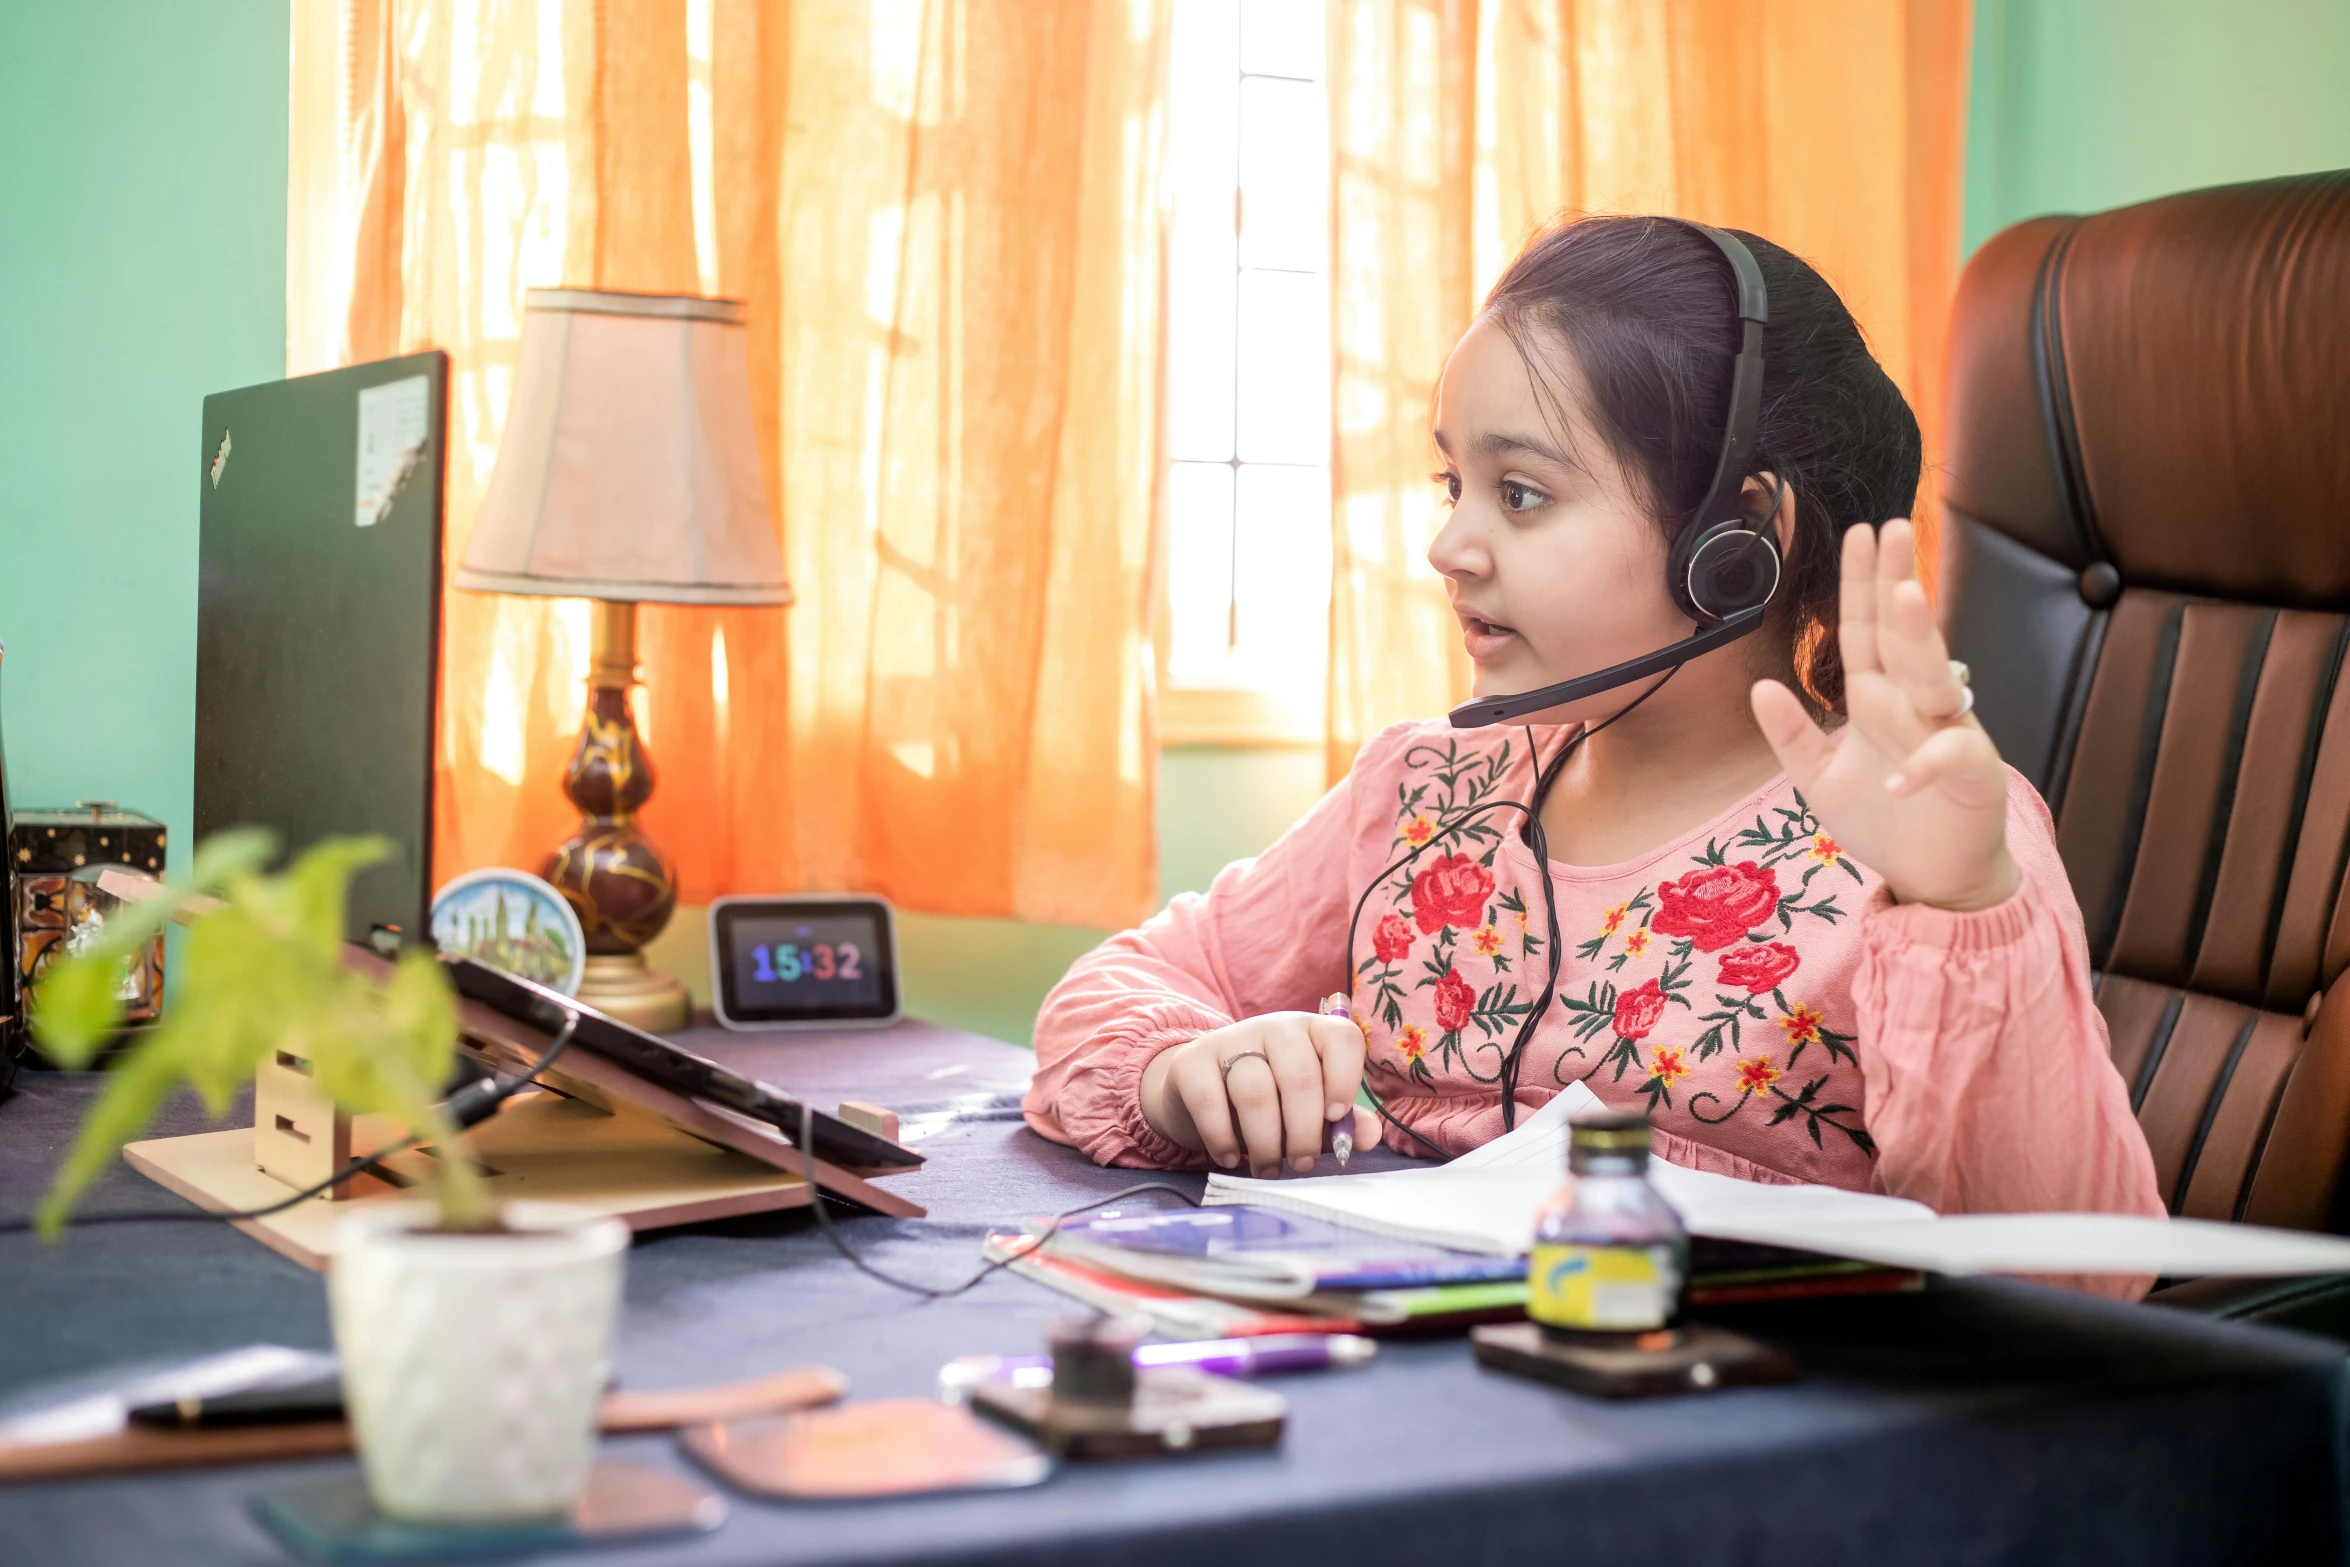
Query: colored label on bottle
1601,1288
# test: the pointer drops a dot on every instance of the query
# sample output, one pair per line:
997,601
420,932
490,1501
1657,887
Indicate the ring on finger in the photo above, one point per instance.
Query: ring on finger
1238,1056
1966,692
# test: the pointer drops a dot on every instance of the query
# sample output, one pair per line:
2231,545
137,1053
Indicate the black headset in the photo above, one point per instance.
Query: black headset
1724,566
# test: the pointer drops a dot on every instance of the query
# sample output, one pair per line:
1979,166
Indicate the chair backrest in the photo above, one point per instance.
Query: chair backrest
2146,561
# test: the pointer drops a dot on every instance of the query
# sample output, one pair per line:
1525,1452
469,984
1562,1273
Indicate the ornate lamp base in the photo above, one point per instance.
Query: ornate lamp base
620,884
621,984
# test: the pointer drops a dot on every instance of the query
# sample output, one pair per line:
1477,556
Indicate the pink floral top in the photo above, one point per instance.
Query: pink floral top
1749,984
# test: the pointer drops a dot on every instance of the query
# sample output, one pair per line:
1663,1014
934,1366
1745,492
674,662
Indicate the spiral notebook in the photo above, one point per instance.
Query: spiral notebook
1486,1200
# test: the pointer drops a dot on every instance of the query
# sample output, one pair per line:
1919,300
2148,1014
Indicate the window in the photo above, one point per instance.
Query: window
1245,634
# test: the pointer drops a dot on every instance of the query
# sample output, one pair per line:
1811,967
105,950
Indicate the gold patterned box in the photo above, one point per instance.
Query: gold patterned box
56,914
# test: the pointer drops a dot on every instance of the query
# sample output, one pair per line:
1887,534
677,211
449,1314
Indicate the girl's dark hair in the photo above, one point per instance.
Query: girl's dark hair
1646,310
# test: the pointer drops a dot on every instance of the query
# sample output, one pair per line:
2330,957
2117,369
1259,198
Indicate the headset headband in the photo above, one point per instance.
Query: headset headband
1746,378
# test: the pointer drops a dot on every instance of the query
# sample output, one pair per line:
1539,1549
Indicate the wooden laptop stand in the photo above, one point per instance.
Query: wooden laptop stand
603,1138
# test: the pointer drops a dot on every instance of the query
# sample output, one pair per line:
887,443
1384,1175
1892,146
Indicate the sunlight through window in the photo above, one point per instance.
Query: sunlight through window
1246,632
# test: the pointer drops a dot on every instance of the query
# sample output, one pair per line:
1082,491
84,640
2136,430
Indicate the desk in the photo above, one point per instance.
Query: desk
1984,1422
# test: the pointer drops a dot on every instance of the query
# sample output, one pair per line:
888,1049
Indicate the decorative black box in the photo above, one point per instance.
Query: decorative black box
45,848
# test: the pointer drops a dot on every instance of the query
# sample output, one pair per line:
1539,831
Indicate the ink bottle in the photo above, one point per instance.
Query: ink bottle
1609,1253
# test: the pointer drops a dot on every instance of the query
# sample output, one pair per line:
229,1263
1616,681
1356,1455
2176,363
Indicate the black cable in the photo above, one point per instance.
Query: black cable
1537,841
824,1222
1446,827
469,1106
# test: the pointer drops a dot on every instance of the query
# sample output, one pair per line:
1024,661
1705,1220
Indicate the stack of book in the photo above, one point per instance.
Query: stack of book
1240,1271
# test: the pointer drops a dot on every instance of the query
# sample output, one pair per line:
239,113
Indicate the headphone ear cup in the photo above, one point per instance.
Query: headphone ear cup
1730,567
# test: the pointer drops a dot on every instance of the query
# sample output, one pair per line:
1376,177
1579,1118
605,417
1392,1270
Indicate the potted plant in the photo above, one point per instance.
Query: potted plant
474,1337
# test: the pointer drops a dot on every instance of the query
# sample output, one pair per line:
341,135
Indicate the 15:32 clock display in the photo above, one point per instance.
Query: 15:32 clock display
803,962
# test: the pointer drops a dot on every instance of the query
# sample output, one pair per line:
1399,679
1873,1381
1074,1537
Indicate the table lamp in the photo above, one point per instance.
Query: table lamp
628,474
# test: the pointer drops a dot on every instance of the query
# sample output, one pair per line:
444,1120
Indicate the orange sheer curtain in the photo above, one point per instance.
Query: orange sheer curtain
944,215
1835,127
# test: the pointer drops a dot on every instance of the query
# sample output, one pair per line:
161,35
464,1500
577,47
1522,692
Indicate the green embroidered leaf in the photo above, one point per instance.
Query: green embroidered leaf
1595,1011
1623,1054
1675,977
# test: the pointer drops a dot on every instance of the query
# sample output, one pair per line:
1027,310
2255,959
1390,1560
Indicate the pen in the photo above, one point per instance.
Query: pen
1230,1357
1342,1130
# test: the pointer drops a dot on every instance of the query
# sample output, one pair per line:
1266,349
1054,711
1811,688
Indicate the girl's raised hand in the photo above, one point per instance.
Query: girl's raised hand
1912,787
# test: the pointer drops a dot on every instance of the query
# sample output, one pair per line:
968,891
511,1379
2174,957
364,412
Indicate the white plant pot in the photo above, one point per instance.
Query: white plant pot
474,1365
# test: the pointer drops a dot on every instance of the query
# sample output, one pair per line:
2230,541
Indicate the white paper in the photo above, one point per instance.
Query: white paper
1486,1200
394,423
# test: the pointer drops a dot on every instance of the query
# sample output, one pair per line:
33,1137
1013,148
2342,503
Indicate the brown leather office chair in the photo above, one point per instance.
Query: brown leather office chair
2145,558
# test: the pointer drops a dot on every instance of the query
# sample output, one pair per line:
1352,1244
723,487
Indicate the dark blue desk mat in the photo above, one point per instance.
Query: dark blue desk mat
1984,1422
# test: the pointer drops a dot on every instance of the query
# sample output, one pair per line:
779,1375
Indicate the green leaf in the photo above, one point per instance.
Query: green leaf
230,854
317,884
263,972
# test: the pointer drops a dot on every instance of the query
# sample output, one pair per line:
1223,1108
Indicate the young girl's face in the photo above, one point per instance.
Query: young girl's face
1554,563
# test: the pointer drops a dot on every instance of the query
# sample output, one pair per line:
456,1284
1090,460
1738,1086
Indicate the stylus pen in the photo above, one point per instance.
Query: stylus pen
1230,1357
1341,1136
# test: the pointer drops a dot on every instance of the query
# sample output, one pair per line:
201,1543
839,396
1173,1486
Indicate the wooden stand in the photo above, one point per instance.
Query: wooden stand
603,1139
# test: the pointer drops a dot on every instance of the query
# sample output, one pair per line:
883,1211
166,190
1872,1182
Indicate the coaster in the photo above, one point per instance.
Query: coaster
881,1447
1175,1409
1696,1358
333,1520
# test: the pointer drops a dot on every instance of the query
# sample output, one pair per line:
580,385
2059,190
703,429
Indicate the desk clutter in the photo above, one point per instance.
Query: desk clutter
474,1343
1923,1377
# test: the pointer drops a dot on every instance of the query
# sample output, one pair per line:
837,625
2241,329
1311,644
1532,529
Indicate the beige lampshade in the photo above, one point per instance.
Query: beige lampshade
629,469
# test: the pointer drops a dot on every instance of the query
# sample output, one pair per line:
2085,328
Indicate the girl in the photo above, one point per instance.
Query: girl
1807,919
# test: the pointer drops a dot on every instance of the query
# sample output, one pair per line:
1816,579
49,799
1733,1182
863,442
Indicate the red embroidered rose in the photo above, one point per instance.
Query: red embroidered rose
1757,967
1392,938
1454,1001
1716,905
1637,1011
1451,892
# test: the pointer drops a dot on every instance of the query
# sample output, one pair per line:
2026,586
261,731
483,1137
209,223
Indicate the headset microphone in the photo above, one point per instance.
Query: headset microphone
1501,709
1724,567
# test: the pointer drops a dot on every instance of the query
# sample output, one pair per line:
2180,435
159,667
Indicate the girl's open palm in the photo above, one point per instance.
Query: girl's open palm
1911,787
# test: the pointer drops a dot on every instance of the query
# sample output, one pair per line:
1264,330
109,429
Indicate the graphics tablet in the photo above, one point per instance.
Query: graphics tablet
681,1071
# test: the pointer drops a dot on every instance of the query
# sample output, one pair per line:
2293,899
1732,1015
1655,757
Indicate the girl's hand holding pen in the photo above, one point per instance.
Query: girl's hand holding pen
1266,1089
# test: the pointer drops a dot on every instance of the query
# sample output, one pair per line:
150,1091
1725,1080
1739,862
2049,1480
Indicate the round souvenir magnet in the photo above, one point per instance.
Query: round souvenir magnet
511,920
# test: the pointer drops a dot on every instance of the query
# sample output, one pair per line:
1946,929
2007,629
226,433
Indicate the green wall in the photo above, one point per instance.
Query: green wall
142,265
2079,105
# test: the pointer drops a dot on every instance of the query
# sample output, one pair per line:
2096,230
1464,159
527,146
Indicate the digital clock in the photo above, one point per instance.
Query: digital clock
820,961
